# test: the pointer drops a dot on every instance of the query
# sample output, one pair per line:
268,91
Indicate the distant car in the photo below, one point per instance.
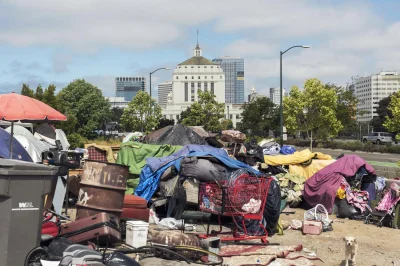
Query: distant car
378,138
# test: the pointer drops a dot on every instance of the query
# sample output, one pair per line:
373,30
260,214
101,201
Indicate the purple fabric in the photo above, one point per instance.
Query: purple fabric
322,186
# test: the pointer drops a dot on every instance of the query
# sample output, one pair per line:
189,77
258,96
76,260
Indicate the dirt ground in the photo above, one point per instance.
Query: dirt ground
377,246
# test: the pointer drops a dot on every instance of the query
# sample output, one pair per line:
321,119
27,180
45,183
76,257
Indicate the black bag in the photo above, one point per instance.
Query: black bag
346,210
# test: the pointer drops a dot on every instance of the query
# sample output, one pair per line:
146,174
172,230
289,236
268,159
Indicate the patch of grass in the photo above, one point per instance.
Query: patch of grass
347,145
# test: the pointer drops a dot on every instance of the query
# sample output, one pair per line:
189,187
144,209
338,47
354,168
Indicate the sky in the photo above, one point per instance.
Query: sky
54,42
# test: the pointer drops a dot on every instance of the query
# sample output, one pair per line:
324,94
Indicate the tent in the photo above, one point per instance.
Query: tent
50,134
131,136
175,135
33,146
19,153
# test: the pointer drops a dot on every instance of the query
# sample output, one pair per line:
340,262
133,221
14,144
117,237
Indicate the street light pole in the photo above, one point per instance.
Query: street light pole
166,68
281,89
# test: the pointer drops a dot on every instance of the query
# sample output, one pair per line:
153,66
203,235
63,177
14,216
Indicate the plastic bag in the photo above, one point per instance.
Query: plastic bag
168,223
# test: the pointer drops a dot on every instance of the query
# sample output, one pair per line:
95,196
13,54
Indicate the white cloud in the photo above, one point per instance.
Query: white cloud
348,38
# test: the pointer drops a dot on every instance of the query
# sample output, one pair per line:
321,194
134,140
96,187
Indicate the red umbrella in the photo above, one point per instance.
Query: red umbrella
16,107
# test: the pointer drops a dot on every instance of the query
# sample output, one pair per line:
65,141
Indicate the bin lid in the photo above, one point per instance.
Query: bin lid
21,168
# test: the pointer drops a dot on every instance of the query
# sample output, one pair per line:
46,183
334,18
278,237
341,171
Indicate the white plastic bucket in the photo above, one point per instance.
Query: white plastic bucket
136,233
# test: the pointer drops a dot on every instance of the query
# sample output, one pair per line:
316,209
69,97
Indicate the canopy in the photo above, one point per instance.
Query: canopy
15,107
175,135
19,153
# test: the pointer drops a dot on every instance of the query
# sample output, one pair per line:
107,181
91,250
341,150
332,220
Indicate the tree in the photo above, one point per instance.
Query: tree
85,107
39,93
226,124
346,108
142,114
27,91
183,115
49,96
116,114
260,116
383,111
206,112
164,122
392,119
313,111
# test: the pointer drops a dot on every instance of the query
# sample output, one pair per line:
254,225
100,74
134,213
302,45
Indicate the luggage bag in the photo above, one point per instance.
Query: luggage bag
102,229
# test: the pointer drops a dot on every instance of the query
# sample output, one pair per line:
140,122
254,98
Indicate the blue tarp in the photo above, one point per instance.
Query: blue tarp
156,163
19,153
149,180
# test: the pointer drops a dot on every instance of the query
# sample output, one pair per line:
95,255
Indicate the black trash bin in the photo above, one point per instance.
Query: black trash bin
23,187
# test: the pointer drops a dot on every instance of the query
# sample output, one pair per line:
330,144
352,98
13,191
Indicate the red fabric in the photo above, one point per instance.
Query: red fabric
96,154
322,186
14,107
50,228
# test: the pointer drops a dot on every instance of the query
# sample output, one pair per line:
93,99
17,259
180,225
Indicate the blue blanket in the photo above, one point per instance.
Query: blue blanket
149,179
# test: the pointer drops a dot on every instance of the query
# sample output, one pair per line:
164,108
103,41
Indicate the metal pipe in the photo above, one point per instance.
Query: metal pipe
11,139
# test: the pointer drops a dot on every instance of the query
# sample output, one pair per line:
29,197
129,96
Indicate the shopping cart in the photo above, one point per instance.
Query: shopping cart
243,196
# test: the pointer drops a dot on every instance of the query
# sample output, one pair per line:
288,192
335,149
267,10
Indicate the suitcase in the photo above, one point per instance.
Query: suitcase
135,214
102,229
312,227
134,202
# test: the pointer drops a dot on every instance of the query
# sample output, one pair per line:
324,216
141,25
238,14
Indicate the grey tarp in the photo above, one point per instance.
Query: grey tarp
175,135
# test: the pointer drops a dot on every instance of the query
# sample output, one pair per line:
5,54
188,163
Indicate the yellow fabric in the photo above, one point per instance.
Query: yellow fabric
341,193
107,149
309,170
295,158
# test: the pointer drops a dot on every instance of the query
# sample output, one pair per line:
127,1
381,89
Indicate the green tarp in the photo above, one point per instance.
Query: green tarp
134,154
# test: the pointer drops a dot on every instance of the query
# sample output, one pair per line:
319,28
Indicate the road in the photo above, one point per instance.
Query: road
385,164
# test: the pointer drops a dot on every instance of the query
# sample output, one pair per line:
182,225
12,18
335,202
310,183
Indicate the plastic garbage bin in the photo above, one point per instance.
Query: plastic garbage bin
23,187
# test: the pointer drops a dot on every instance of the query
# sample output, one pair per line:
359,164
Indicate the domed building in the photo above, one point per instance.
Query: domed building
197,73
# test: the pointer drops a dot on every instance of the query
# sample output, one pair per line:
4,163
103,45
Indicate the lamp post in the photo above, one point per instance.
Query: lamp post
281,89
166,68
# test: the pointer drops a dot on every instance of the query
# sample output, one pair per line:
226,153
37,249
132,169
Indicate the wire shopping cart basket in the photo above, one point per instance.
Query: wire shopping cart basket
244,196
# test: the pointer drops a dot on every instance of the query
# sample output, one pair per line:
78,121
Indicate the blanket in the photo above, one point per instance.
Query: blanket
296,158
321,188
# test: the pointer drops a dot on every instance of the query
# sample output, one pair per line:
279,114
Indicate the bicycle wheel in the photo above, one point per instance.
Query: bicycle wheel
156,251
34,256
198,255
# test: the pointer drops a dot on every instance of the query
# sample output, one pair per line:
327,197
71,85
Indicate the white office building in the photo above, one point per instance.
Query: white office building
197,73
371,89
117,102
275,95
163,90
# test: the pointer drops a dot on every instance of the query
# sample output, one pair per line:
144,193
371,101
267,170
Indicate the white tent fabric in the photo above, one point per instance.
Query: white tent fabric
131,135
33,146
60,135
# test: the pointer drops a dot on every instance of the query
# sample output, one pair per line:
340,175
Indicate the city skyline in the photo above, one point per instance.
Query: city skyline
47,42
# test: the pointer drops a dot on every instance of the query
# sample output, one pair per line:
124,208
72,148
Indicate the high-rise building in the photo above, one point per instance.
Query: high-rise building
275,95
371,89
128,87
163,90
234,78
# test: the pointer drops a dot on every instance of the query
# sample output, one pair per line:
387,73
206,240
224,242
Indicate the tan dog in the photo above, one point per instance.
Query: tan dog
350,249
